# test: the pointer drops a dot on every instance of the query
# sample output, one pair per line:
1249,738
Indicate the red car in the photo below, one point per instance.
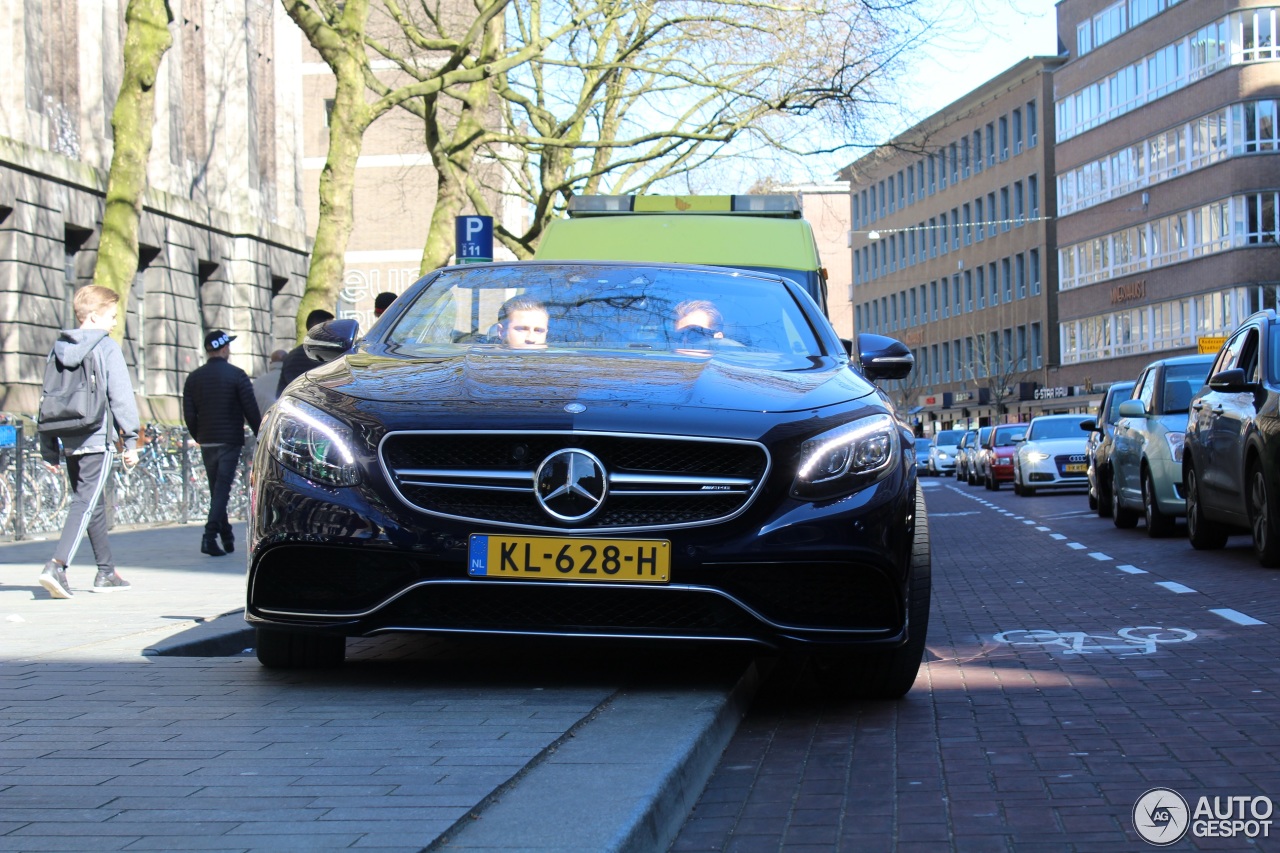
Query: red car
998,452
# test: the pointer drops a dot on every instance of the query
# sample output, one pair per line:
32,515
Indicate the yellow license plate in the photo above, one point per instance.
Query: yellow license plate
555,558
1076,468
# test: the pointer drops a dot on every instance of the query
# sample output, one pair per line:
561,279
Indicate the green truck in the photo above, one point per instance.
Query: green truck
755,232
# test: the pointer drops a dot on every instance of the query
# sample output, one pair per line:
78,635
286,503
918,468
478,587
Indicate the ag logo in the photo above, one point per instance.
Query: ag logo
1161,816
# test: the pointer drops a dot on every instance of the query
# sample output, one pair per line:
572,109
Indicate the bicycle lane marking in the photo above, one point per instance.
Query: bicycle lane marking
1231,615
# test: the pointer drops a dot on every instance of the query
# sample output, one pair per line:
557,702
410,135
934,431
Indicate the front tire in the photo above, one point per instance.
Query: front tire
1262,519
1204,534
1104,494
1121,516
1159,525
278,649
890,673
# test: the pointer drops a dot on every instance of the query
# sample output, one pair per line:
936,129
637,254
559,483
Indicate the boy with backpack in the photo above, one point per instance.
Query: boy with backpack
86,400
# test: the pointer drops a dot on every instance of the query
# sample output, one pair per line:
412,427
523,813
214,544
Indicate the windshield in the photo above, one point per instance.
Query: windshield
1181,382
949,436
1006,436
922,445
1044,428
638,308
1118,394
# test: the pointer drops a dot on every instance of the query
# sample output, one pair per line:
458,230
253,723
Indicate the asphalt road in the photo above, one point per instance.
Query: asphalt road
1072,667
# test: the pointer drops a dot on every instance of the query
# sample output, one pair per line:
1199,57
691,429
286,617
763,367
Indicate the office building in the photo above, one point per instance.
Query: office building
952,250
1168,158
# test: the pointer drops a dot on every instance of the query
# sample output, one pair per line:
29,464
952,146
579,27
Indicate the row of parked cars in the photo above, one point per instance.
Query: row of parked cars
1193,437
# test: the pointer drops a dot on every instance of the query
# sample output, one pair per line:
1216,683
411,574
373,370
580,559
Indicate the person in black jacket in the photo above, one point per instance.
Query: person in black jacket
217,401
297,362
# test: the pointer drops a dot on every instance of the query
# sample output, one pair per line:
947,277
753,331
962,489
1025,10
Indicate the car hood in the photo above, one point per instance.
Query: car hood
1056,446
492,377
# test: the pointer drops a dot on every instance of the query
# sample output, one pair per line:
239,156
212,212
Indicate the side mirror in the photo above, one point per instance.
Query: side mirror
1231,381
330,340
883,357
1019,437
1132,409
1089,426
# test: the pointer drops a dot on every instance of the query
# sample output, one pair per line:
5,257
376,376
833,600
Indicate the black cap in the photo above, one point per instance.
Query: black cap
216,340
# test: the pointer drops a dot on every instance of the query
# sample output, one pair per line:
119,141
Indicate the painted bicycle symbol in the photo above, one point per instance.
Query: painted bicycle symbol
1127,642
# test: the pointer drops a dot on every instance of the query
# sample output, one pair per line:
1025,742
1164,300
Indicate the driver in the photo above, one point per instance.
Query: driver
699,316
522,323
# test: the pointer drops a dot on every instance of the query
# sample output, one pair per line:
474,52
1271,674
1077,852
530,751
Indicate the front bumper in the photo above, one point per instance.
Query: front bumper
1166,479
358,562
1052,473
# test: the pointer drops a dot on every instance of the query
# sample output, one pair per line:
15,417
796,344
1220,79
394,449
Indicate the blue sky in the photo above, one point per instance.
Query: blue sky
1010,31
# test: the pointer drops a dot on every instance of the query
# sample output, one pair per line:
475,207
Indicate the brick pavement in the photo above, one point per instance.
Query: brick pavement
414,744
1005,747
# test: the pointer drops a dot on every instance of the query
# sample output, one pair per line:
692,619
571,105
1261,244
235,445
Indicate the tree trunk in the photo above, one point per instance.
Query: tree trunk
147,38
454,155
347,124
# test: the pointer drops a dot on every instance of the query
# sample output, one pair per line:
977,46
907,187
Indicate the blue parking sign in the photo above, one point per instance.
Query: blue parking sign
474,239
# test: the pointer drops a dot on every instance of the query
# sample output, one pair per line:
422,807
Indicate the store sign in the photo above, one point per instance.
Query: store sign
962,397
1052,393
1130,292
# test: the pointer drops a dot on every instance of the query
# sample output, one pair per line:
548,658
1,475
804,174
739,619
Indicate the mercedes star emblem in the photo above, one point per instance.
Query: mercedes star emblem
571,484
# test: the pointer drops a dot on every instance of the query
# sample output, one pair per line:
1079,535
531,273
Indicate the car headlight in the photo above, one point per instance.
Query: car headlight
313,443
847,458
1037,456
1175,440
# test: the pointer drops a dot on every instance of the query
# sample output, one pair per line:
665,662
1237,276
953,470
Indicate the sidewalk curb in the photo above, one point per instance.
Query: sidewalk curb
221,636
658,776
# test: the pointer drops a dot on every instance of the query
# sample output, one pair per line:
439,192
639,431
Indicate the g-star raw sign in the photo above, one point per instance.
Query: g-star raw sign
1052,393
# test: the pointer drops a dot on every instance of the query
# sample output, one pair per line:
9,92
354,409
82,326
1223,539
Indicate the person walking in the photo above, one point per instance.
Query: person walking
217,401
265,384
297,362
89,454
382,302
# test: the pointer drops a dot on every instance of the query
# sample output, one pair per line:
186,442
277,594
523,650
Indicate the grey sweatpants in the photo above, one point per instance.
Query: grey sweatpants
88,473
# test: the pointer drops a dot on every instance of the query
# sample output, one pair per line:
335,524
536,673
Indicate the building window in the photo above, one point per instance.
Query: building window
1019,212
1004,137
1006,278
968,287
1017,131
1033,259
981,289
1004,209
982,227
991,144
1032,130
1033,196
1036,359
1020,274
993,284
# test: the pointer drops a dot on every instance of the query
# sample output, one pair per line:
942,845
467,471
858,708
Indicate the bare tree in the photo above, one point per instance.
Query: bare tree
997,366
648,94
339,32
147,39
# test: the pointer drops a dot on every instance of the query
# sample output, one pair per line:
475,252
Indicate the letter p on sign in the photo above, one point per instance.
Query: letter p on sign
474,239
